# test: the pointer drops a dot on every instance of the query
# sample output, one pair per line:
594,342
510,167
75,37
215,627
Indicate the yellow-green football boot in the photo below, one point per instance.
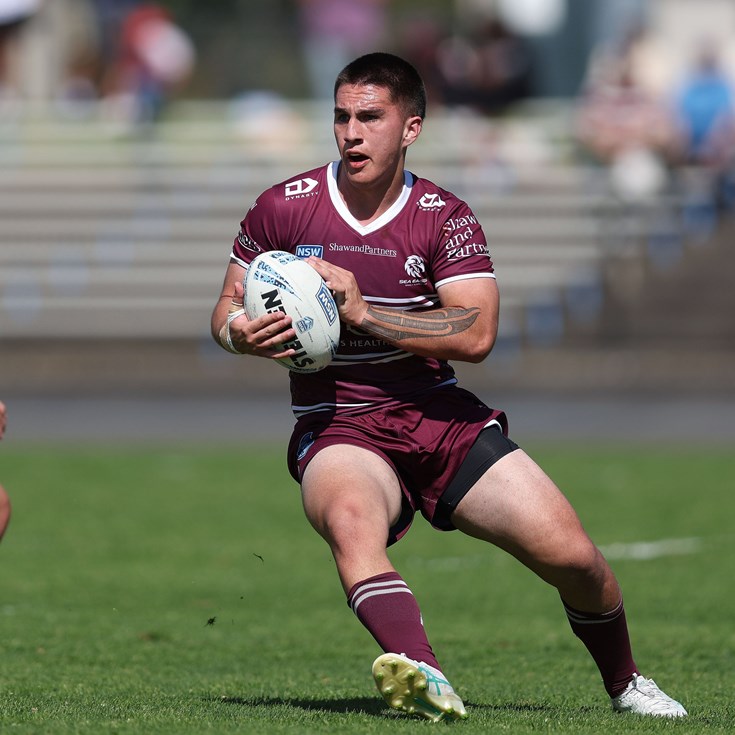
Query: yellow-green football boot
416,688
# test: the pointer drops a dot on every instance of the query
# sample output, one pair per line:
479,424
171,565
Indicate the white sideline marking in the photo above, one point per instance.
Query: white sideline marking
644,550
637,551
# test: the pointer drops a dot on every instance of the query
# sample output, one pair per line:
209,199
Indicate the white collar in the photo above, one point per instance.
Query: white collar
345,214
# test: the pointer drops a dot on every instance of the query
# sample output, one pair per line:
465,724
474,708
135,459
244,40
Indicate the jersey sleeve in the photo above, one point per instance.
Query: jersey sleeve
461,249
258,231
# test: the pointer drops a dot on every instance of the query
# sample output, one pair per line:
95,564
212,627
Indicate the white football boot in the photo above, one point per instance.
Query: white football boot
416,688
643,697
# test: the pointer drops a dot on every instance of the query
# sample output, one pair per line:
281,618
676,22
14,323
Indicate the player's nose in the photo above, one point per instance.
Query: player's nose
352,131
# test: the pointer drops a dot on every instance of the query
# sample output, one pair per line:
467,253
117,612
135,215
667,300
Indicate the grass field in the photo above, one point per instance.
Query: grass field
163,591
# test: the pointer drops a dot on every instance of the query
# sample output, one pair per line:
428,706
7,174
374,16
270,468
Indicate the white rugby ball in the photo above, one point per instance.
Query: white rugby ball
279,281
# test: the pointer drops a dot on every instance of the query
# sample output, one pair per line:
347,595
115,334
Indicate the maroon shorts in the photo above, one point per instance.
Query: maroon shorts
425,441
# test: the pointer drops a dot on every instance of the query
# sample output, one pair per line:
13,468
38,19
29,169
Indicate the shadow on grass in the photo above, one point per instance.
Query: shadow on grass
355,705
520,707
371,706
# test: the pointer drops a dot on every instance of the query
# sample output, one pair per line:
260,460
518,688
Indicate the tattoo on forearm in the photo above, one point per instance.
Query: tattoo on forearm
399,325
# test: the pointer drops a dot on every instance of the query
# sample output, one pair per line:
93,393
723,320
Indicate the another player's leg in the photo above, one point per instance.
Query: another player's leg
518,508
4,511
352,498
4,499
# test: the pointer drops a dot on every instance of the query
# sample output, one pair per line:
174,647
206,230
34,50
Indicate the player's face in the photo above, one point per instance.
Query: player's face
372,133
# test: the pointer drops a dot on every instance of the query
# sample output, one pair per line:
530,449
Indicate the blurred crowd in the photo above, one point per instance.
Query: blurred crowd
477,62
132,54
657,134
633,114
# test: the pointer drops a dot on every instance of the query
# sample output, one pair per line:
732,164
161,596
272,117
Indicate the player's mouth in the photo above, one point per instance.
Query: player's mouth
356,160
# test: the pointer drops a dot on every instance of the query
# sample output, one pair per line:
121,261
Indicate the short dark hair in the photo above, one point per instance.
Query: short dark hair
390,71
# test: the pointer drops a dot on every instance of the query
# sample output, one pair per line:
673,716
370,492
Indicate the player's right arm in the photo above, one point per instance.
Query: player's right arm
233,331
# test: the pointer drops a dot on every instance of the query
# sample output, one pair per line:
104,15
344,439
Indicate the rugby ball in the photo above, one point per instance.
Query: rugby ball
279,281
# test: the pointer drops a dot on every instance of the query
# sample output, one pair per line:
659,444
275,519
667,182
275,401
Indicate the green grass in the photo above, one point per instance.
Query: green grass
116,562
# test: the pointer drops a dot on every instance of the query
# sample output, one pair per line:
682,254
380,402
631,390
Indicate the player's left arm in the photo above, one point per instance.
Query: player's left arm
463,328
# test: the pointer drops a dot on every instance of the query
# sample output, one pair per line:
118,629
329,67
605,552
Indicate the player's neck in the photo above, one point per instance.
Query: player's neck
367,202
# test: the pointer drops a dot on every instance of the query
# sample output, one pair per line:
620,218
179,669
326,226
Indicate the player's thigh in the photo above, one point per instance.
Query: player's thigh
517,507
350,490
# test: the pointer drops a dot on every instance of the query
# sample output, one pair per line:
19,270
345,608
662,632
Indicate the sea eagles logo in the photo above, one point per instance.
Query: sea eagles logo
305,444
300,187
247,242
414,266
431,201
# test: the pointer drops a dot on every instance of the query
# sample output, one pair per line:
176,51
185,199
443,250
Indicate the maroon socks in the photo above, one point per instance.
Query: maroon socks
387,608
606,637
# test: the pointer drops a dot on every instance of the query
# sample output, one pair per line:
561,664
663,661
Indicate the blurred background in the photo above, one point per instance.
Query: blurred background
594,140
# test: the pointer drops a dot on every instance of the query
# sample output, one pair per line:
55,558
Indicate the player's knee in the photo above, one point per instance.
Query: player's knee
583,563
349,523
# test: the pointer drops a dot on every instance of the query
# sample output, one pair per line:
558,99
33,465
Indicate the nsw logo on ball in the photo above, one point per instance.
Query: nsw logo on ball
324,297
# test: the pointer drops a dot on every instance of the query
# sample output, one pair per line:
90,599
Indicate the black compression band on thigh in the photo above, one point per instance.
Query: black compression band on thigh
490,445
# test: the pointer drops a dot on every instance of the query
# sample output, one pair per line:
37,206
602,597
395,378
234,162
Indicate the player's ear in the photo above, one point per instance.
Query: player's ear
412,129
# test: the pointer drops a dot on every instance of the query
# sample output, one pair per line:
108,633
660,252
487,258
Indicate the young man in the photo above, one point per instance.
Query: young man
385,430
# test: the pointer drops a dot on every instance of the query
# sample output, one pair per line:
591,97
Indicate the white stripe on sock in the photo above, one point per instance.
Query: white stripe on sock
362,596
583,619
375,585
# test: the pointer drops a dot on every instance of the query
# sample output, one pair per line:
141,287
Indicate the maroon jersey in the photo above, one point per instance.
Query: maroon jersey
427,238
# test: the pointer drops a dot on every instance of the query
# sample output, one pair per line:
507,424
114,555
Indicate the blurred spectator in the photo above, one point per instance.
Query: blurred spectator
336,31
419,38
110,15
625,126
706,109
504,66
705,105
53,52
75,83
646,58
13,15
486,69
155,56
